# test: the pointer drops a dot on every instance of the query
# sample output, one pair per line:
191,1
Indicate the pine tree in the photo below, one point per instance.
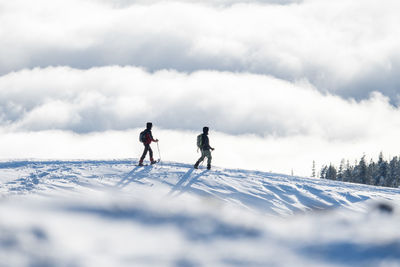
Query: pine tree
396,182
372,172
340,173
382,171
313,169
392,173
323,172
331,172
362,171
347,175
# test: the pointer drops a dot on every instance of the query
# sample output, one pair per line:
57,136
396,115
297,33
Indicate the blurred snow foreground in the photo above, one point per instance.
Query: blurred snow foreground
112,213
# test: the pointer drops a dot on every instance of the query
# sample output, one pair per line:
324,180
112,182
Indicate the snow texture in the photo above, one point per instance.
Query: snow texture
113,213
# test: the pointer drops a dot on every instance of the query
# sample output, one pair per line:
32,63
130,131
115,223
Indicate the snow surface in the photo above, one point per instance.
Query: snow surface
112,213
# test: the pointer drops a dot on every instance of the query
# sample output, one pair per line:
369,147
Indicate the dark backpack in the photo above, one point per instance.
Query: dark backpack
142,136
200,141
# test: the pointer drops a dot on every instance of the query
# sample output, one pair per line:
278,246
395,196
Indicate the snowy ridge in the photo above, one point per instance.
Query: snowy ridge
112,213
268,193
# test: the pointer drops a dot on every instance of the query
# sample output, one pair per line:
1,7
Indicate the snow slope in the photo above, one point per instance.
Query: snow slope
112,213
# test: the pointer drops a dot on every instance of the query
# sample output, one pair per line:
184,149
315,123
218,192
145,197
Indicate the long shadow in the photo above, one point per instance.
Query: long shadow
183,179
192,181
128,178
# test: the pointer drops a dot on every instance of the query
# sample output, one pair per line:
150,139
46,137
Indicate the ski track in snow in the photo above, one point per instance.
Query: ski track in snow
113,213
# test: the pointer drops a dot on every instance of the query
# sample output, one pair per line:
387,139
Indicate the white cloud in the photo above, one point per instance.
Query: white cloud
349,48
121,98
257,121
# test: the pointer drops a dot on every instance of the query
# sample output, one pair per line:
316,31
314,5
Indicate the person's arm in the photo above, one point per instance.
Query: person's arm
206,142
152,139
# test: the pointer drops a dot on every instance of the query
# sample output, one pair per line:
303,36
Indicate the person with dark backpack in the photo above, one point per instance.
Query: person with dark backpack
203,143
146,137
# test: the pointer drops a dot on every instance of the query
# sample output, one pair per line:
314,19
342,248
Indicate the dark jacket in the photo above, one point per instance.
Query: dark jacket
148,137
205,142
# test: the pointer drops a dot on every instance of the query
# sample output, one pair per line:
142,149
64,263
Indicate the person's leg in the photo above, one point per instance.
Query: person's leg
196,165
152,161
209,157
146,148
151,154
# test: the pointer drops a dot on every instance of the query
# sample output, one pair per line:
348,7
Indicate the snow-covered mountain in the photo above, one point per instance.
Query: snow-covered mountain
113,213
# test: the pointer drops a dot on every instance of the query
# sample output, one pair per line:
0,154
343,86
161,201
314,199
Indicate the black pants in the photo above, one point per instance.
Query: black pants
147,148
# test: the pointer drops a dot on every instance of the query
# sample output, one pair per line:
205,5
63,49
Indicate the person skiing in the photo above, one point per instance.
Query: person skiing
146,137
203,143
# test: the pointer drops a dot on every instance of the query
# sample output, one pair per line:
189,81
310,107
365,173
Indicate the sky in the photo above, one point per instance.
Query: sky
280,83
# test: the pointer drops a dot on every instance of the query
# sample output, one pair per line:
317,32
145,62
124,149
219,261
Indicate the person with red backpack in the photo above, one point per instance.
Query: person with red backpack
146,137
203,143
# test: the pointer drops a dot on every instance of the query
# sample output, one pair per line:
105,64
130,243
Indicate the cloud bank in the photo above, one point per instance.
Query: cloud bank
345,48
257,121
122,98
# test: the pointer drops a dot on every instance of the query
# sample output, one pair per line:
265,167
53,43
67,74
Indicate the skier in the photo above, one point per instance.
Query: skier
203,143
146,137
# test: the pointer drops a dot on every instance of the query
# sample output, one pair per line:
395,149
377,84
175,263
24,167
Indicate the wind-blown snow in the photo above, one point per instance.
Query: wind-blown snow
112,213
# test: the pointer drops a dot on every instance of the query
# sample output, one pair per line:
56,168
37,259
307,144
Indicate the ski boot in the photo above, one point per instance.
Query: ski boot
208,166
196,165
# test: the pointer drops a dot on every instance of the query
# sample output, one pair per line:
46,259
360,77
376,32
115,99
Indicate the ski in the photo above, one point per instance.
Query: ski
144,165
202,168
155,162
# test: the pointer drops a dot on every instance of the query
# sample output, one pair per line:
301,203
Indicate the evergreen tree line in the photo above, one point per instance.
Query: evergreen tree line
380,173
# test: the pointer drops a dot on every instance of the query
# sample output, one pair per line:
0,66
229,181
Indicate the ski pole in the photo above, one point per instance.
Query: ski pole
159,154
